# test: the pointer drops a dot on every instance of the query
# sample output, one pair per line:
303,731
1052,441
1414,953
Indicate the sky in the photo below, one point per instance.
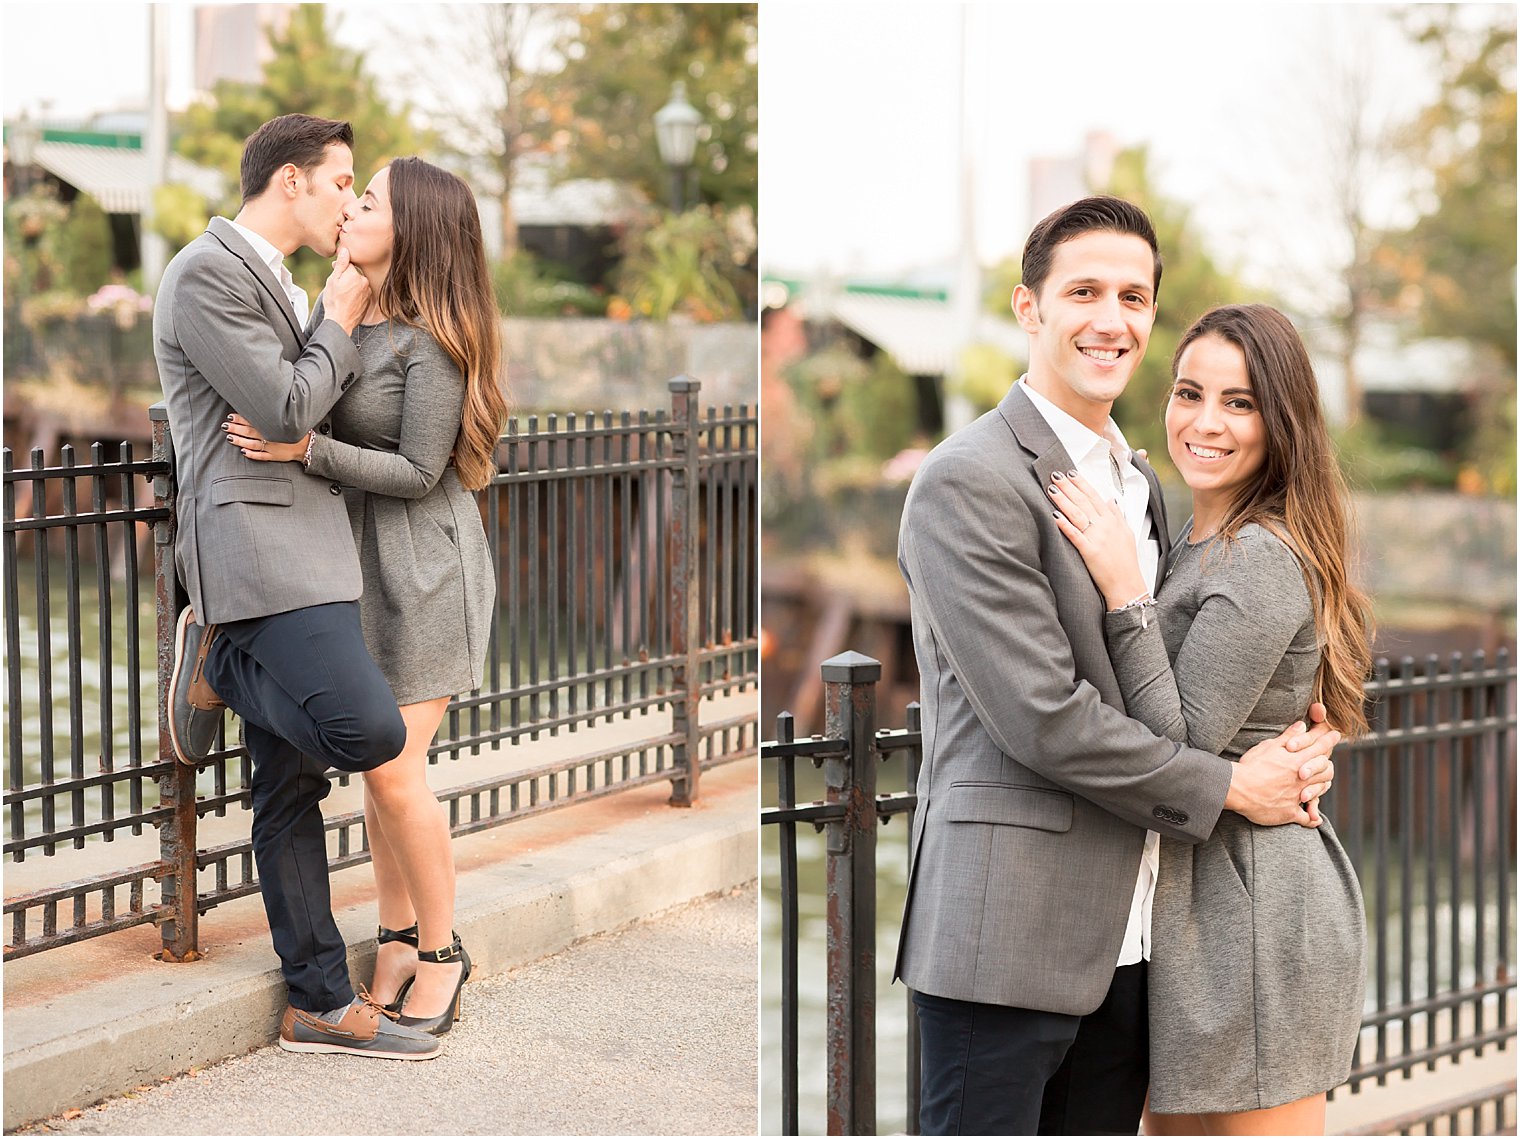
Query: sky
103,63
1230,99
861,112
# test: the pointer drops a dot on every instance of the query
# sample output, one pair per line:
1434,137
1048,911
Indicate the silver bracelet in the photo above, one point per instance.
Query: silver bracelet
1145,603
311,440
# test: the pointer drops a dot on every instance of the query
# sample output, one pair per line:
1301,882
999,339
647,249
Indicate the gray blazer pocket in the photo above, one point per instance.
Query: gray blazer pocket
1009,805
248,488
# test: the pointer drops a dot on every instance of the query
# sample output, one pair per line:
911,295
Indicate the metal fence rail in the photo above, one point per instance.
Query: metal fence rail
624,552
98,776
1424,805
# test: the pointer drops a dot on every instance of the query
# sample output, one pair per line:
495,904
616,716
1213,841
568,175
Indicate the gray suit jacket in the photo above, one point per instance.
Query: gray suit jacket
251,538
1036,790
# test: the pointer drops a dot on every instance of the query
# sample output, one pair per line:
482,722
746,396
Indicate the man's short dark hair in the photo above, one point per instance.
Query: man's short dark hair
1100,213
301,140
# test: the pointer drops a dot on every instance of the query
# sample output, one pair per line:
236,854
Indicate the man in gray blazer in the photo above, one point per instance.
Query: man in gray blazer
266,555
1027,920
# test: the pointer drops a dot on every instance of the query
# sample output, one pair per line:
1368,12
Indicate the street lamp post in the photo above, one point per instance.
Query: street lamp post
25,135
675,129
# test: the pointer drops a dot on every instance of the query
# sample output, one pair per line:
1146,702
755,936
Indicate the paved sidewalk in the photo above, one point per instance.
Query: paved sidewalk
100,1018
646,1030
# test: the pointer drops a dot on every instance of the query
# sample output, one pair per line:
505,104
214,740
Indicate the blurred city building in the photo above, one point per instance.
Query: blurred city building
1057,181
574,223
232,42
1424,387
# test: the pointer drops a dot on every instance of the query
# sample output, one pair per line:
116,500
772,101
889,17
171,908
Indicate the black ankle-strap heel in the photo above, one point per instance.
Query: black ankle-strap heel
407,936
438,1025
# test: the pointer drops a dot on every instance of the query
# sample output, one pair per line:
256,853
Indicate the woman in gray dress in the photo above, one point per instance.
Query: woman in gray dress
407,444
1257,967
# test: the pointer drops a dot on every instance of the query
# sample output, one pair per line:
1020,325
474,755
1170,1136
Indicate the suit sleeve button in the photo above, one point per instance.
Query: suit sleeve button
335,489
325,429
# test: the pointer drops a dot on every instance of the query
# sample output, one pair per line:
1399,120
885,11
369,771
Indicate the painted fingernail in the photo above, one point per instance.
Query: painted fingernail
230,439
1052,491
1073,474
1057,475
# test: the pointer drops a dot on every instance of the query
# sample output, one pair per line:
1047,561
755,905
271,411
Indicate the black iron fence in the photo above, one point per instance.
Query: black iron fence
1425,805
625,554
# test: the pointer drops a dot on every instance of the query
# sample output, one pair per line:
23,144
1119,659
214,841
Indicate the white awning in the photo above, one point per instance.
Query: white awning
920,334
117,178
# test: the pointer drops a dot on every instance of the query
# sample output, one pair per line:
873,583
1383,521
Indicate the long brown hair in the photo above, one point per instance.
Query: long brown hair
1300,495
438,279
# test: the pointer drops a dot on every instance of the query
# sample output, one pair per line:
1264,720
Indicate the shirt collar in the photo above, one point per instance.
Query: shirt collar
1072,434
267,252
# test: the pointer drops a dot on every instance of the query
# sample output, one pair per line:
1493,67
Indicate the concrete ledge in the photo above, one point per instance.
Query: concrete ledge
101,1018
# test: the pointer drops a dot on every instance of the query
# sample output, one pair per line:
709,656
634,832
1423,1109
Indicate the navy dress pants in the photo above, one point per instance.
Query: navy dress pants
994,1070
311,697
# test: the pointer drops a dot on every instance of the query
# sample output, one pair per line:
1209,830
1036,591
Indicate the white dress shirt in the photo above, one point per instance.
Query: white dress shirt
1104,461
276,262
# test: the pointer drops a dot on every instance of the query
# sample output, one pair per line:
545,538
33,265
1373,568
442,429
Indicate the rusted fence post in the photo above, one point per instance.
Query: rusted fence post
685,593
849,682
180,924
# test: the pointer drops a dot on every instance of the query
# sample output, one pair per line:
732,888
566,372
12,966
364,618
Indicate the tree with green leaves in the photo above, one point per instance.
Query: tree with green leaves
1453,270
311,73
621,61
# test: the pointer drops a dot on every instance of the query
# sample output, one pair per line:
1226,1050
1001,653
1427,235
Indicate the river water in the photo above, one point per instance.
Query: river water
97,733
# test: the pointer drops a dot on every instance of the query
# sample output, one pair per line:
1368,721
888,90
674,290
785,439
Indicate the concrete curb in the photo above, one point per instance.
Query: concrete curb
98,1032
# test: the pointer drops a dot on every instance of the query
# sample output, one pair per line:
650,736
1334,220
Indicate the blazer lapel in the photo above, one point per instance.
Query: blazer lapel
1036,437
1158,519
223,231
1034,434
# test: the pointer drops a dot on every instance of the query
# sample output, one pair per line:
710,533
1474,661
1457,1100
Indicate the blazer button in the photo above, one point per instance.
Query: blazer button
325,429
335,488
1170,815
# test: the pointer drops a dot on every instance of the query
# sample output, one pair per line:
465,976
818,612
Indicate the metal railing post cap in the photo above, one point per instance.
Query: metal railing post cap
684,383
158,412
852,668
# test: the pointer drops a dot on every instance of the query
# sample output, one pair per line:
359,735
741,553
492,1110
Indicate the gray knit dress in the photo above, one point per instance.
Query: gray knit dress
429,586
1258,935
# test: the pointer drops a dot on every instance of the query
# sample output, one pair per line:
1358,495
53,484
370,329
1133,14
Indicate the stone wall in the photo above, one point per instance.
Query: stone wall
1446,549
592,365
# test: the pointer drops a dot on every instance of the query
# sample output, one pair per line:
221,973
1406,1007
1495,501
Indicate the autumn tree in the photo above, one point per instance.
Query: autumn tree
1453,269
1455,266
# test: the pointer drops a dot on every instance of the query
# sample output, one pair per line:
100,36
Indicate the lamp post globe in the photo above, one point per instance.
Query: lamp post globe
675,130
